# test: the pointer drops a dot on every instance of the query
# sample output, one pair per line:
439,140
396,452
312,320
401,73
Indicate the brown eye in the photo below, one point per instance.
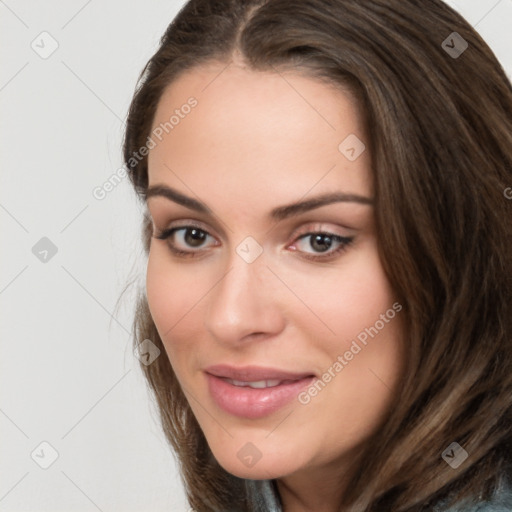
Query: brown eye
320,243
194,237
183,239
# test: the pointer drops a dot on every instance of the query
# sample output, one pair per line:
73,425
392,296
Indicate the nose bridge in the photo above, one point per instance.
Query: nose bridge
242,302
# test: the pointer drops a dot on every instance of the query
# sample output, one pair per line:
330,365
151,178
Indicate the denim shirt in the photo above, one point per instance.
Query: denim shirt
261,493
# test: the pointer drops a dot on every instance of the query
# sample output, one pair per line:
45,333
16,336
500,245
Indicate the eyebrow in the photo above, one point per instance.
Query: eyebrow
277,214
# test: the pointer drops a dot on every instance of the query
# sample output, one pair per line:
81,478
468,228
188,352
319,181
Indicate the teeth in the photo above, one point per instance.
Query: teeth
259,384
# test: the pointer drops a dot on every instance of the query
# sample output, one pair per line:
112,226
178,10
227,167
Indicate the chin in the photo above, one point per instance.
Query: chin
264,468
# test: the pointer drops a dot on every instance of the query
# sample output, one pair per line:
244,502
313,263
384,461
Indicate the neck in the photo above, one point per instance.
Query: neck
316,489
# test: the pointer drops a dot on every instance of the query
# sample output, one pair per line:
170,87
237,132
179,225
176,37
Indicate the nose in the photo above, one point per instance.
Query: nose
244,304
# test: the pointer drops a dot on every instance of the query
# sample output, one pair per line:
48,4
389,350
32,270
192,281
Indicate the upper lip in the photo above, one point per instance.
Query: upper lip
254,373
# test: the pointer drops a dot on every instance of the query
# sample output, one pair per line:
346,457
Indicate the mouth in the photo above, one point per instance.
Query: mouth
254,392
254,373
258,384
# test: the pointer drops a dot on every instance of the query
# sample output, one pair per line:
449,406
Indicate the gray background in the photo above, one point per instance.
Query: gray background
68,375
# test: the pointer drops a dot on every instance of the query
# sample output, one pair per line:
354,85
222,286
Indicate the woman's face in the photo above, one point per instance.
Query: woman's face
292,299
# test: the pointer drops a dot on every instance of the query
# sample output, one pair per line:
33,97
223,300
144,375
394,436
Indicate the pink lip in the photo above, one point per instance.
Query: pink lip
253,373
249,402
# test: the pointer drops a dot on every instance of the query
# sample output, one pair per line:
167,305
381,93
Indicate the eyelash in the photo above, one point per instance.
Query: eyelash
342,240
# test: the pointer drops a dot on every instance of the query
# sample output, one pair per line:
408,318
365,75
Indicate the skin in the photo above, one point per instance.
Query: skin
255,141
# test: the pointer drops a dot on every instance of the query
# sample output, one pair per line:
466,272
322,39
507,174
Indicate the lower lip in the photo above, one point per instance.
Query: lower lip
253,403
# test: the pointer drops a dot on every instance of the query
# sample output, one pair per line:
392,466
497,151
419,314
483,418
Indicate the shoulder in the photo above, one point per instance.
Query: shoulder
494,507
501,501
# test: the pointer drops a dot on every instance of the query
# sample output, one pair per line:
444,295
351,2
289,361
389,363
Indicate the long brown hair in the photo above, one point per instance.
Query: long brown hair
439,129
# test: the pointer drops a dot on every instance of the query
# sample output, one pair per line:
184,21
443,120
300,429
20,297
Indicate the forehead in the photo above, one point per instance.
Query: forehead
256,131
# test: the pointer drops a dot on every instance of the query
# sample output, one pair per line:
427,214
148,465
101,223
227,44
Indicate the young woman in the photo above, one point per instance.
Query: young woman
329,245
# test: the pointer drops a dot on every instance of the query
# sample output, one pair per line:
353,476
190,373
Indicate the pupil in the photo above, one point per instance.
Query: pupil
196,237
317,241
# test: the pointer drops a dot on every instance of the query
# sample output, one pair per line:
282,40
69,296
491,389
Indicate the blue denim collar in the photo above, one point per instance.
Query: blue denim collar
263,496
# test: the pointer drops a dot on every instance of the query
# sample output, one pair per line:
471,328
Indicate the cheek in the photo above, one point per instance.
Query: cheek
169,295
159,290
347,300
365,351
176,302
